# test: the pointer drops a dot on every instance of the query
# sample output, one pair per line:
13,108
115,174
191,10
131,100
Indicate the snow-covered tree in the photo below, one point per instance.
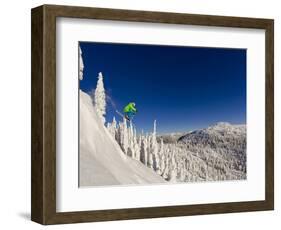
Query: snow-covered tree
81,65
136,147
100,99
150,160
143,150
154,150
124,136
112,128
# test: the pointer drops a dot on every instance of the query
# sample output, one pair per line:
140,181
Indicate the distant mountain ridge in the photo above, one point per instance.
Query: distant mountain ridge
217,136
217,152
170,138
227,140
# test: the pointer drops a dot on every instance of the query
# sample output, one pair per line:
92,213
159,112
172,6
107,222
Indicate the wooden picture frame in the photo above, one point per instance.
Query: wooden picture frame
43,202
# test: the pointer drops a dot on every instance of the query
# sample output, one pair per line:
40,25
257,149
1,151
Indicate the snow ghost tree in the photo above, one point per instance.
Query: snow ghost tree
143,150
112,128
154,150
124,136
100,99
81,65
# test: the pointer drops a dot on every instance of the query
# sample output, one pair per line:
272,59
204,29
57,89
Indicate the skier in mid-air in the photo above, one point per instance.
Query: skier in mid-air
130,111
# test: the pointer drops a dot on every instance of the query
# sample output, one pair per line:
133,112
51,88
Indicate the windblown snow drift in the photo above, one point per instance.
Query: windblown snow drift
102,161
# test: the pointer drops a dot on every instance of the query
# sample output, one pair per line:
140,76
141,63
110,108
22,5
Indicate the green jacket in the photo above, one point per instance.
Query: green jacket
130,108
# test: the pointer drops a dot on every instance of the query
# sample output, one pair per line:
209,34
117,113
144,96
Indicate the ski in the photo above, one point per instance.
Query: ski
122,115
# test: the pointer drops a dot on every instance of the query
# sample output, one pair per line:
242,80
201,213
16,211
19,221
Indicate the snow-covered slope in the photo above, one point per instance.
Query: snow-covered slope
102,161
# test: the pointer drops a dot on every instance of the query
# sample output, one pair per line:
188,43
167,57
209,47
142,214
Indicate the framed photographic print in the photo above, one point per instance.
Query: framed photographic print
141,114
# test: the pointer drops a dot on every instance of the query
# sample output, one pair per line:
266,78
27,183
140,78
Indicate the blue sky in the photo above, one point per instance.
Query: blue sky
183,88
